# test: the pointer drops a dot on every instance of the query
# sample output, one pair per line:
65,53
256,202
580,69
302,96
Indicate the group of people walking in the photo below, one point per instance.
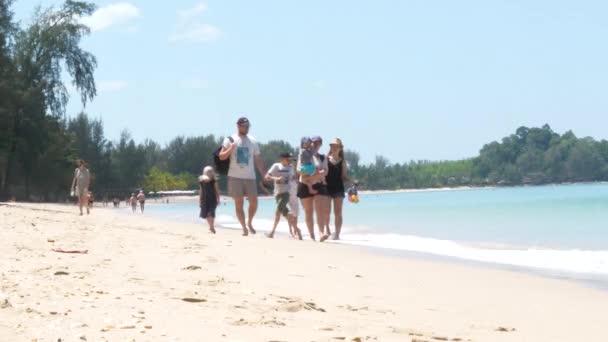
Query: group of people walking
312,179
317,181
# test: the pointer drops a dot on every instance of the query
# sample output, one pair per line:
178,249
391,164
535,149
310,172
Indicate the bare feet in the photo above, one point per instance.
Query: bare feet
299,233
251,230
324,237
212,230
245,232
335,236
269,235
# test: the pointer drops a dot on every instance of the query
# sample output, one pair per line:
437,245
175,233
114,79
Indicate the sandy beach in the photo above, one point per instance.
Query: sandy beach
151,280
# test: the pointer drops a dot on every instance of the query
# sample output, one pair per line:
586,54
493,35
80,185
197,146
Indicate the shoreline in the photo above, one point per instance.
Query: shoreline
485,254
138,271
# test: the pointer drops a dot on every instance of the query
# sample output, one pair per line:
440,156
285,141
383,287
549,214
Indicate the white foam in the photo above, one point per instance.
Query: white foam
576,261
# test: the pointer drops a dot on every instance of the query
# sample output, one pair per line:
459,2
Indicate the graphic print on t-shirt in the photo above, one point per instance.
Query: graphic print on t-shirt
242,156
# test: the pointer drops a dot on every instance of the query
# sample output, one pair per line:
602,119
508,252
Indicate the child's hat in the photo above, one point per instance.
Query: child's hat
306,140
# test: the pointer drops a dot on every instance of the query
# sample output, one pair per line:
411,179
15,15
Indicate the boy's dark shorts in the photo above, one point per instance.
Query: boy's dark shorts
282,201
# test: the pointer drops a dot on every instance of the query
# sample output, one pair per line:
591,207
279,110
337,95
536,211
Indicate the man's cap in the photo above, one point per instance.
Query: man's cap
243,121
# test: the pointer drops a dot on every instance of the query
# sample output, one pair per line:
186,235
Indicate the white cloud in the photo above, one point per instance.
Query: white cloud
193,11
195,84
111,86
196,33
110,15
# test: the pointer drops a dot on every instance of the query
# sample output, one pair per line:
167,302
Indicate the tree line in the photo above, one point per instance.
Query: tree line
39,144
530,156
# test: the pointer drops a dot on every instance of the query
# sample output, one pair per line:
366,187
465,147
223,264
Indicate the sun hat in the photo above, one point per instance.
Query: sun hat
336,142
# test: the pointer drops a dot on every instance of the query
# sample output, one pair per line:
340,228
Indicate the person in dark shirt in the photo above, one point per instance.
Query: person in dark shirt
209,196
337,175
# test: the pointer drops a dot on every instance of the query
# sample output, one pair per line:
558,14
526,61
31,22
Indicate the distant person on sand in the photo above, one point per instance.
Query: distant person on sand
244,154
80,185
209,196
141,198
337,175
90,199
281,174
133,202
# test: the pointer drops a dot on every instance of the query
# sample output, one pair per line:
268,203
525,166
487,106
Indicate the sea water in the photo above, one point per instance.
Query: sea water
561,228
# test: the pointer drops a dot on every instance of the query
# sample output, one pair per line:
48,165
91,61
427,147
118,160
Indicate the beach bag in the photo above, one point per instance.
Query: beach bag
221,166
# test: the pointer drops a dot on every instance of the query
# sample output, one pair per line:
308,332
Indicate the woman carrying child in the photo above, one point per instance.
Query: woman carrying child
312,189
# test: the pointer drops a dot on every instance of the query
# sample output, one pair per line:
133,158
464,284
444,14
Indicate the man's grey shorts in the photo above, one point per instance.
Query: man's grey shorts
238,187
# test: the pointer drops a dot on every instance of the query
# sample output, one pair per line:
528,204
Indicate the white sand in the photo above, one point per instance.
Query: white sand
255,289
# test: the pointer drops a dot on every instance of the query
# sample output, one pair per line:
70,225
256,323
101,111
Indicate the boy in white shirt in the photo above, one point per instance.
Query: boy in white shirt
282,174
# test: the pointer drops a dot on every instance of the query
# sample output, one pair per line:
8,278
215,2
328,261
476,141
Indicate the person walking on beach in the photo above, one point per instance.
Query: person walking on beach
141,198
244,154
133,201
294,207
319,199
209,196
337,175
281,174
80,185
90,200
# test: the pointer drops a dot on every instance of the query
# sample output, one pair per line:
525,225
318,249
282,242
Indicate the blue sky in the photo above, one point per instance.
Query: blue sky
423,79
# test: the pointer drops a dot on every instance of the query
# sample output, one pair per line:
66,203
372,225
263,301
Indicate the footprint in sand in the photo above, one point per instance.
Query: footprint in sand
216,282
273,322
192,268
354,309
296,305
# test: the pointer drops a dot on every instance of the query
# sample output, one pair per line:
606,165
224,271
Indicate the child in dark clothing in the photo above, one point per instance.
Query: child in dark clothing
209,196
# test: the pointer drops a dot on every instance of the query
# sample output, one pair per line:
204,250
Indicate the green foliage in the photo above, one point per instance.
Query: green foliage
32,93
158,180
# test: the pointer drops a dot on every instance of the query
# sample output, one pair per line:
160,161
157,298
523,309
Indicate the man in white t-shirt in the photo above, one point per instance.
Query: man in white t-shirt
244,154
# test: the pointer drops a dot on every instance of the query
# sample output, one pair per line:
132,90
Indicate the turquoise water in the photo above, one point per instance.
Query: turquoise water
558,227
